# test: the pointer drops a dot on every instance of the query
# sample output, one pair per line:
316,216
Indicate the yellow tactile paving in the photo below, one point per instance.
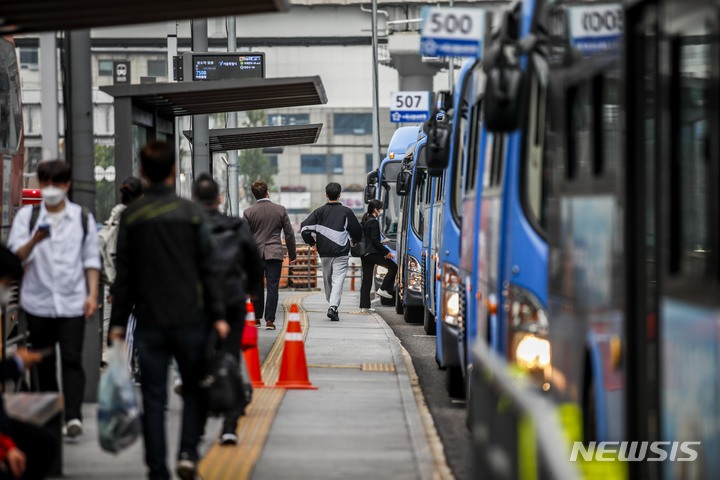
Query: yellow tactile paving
238,462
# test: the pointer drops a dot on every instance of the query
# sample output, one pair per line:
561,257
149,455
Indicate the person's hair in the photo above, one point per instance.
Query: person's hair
205,190
259,189
373,205
10,264
54,171
333,191
131,189
157,160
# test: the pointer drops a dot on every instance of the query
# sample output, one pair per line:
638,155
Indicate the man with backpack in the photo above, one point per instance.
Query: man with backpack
240,268
57,242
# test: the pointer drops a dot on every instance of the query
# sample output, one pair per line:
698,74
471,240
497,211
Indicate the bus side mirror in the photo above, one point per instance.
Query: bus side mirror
403,183
503,91
439,131
370,191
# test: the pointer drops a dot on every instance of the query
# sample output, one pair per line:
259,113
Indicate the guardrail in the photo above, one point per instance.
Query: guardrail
516,430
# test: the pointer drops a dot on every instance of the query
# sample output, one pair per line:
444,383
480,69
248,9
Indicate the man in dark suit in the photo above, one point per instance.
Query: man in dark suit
266,220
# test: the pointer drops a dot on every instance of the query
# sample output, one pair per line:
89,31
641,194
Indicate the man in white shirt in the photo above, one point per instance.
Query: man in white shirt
58,244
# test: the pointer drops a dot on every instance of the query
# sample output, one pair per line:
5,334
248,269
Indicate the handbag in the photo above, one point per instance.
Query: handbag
358,249
222,382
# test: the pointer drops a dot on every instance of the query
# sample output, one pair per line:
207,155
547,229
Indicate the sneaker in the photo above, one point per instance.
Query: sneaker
186,467
177,387
73,428
383,293
258,323
332,314
367,310
228,438
269,325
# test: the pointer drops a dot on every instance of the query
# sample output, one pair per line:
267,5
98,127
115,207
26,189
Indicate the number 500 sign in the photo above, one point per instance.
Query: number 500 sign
452,32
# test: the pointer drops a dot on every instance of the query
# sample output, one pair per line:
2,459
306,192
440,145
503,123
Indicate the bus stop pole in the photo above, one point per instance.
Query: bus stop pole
200,123
233,176
376,105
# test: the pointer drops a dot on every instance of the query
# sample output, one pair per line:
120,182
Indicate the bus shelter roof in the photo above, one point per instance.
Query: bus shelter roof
170,100
228,139
21,16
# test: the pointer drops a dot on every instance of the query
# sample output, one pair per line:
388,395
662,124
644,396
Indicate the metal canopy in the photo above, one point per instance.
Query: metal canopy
200,98
228,139
20,16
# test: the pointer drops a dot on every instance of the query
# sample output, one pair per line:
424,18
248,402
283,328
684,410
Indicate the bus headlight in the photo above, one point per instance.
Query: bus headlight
532,353
529,347
414,277
452,312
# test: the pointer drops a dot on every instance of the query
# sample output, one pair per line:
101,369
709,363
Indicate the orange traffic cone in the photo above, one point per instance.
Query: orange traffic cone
293,371
250,348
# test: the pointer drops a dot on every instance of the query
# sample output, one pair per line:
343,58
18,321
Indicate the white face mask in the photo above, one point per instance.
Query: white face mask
5,295
52,195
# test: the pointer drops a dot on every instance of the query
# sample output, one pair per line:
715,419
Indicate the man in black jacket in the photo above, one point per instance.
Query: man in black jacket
330,227
240,268
165,277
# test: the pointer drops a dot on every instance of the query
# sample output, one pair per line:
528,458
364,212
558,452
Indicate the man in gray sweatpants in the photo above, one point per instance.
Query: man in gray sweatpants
330,228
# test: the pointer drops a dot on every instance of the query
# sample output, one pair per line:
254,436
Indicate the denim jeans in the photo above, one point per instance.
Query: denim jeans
156,345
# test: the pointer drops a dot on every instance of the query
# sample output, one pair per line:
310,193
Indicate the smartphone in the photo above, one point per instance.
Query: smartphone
44,228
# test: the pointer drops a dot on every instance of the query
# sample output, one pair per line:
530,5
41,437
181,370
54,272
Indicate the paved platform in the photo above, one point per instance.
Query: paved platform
362,422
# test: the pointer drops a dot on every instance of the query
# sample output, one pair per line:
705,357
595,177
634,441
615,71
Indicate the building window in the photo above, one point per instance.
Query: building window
368,162
157,68
29,58
319,163
352,123
32,116
105,68
280,119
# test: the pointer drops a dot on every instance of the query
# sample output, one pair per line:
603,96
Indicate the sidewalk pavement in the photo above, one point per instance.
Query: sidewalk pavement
360,423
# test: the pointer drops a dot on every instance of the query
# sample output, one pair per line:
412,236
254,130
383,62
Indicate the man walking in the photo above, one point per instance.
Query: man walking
165,275
57,242
330,227
266,220
240,268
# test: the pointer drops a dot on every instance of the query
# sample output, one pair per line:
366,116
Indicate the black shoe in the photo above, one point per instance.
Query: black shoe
186,467
333,314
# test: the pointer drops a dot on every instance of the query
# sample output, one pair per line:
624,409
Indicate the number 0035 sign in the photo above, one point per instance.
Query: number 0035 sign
409,106
452,32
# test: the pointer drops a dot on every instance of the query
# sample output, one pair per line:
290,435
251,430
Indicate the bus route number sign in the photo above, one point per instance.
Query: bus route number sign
596,28
409,106
452,32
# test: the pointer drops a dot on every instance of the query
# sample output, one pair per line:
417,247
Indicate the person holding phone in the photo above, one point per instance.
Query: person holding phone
57,242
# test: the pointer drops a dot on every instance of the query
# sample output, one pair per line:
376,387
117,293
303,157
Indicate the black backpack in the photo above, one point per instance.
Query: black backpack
228,257
222,382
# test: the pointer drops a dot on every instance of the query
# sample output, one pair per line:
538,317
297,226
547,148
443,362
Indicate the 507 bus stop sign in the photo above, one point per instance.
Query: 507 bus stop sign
452,32
409,106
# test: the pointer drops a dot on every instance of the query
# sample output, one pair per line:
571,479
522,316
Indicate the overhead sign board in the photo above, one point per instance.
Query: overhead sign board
227,66
409,106
452,32
596,28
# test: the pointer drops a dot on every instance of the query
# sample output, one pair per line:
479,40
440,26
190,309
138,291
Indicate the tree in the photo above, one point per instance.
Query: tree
253,164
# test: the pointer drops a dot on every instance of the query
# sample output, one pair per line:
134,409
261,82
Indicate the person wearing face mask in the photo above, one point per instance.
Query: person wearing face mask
57,242
377,254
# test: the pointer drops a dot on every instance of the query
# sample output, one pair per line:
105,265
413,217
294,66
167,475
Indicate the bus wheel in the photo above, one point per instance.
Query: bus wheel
454,382
413,314
429,322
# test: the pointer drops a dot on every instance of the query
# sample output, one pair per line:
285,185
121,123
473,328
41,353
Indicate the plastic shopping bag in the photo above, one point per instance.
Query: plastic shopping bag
118,413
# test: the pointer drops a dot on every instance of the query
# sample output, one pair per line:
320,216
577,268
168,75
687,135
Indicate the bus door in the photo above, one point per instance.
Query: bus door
673,152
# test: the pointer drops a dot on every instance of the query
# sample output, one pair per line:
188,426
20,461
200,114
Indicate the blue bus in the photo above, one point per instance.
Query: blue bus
412,188
381,184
